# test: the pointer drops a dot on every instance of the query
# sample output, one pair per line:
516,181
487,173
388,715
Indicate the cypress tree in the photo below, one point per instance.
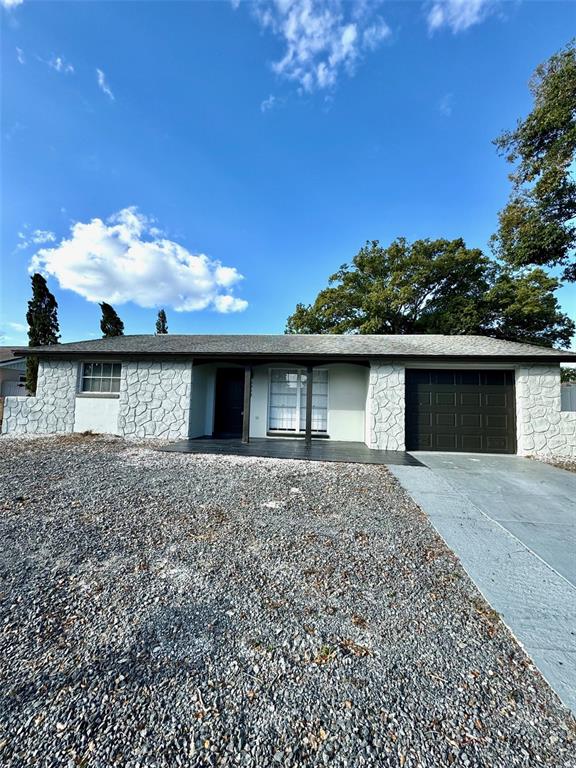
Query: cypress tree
43,328
161,323
110,324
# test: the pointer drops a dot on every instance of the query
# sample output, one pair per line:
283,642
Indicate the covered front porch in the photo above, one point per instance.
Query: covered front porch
305,399
291,448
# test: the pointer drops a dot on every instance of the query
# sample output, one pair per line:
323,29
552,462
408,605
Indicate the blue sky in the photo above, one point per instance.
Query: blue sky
223,159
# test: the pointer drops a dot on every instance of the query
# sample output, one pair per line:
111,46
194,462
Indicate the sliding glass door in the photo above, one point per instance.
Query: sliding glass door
287,400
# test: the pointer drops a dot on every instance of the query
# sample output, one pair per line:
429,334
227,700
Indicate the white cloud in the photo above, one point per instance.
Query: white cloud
120,260
60,64
268,103
322,38
103,84
20,56
18,327
13,333
11,3
458,15
37,237
226,303
375,34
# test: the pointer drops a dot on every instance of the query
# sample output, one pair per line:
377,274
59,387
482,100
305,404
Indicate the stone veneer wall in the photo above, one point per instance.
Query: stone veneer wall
155,399
385,407
52,408
543,428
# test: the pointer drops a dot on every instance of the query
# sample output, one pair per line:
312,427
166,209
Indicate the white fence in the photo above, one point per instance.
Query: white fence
568,396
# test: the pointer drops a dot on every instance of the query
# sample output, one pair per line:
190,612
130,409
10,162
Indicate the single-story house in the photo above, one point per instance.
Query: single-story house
409,392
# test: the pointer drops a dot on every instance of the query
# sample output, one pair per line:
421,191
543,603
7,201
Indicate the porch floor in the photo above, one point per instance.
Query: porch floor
294,448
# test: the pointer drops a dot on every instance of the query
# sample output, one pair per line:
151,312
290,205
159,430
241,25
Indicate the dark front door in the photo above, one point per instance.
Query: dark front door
229,402
459,410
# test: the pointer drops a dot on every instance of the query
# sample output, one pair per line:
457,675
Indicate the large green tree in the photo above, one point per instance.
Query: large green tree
110,323
435,286
537,225
43,328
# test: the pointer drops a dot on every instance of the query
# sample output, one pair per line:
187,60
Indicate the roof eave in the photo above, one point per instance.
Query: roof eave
557,357
12,360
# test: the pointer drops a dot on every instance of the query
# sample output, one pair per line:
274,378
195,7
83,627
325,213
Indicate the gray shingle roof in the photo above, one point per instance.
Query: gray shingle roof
7,353
365,346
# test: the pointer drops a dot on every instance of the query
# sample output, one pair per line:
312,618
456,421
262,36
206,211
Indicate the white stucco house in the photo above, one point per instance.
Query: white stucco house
427,392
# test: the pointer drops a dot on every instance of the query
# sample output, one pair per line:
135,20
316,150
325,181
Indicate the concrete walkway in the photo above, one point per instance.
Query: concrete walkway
512,523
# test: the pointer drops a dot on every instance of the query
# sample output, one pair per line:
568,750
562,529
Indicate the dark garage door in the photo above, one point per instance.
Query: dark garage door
460,411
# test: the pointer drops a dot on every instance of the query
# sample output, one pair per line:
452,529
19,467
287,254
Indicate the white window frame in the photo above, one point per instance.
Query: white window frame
93,393
297,432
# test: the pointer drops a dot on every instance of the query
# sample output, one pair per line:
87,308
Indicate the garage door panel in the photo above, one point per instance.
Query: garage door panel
454,410
468,378
426,441
446,441
470,399
421,377
498,378
496,399
419,399
443,378
471,443
496,444
444,399
473,420
497,421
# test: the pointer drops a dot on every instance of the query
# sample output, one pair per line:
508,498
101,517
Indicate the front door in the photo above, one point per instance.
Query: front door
229,403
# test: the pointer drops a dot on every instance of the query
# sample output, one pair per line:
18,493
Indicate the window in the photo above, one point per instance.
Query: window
101,377
287,400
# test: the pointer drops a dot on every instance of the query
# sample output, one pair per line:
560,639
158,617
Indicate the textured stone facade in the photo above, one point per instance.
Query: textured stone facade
385,407
52,408
155,399
543,428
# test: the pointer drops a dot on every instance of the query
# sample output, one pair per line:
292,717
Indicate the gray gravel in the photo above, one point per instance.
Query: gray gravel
562,462
183,610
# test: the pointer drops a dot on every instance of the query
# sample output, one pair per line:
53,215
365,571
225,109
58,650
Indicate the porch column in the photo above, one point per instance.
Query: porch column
385,407
309,374
247,397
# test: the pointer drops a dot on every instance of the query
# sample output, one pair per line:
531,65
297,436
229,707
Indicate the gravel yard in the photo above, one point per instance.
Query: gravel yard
182,610
562,462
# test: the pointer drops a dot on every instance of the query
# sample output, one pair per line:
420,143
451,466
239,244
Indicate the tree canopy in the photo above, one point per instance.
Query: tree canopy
435,286
43,328
161,323
110,324
537,225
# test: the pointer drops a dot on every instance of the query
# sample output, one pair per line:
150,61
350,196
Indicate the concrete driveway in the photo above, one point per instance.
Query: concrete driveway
512,523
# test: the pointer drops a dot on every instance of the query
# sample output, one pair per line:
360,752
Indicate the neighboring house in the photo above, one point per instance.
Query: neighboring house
568,396
12,376
12,373
452,393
